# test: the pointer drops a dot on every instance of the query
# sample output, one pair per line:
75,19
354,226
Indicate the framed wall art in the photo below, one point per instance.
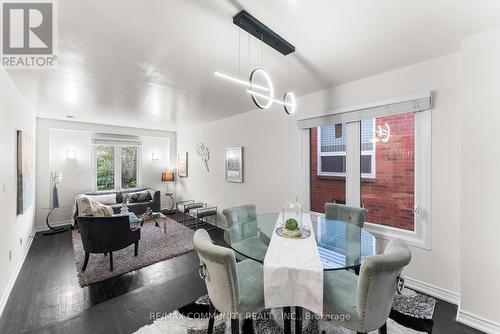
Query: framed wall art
234,164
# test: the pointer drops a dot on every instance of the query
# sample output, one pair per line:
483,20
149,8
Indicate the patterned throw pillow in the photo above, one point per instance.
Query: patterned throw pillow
139,197
87,206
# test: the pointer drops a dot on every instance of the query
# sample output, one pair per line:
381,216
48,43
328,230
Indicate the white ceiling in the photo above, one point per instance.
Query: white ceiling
150,63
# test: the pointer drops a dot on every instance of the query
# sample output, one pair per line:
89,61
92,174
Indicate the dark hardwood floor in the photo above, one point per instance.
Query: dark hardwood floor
47,298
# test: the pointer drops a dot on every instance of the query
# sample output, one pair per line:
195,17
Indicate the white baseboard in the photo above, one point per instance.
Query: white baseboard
443,294
13,278
478,322
55,224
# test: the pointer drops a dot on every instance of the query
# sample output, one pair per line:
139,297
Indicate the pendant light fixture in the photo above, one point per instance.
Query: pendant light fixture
261,88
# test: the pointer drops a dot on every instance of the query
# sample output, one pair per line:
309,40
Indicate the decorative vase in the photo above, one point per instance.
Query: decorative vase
292,213
124,209
55,197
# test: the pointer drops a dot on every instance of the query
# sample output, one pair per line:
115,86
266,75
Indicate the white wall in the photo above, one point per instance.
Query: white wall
14,115
271,161
56,137
480,177
272,156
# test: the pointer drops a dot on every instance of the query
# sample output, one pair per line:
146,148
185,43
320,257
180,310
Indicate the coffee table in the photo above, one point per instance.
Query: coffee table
157,217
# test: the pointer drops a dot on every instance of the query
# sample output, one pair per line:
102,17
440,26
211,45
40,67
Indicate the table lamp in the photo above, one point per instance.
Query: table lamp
167,177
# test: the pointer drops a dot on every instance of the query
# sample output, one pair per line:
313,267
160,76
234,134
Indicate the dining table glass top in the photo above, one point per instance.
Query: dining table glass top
341,245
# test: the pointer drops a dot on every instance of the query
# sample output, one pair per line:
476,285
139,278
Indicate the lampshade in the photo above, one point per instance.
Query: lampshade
167,176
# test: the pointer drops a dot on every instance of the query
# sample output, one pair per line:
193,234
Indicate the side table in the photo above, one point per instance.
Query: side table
171,195
52,229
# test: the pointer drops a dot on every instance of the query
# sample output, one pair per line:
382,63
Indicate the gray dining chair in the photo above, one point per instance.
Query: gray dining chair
346,213
368,298
243,219
243,228
233,288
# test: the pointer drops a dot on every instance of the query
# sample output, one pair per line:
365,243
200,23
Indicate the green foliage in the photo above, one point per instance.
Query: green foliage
291,224
106,167
129,167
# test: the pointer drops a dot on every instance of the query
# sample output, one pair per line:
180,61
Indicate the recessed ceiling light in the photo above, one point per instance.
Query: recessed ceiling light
70,116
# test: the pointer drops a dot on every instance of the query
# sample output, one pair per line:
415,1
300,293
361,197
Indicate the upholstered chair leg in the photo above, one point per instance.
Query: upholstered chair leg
110,261
86,261
235,326
356,271
106,254
211,318
383,329
136,248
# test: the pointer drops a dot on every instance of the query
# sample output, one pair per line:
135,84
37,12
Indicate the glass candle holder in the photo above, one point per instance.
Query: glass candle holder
292,213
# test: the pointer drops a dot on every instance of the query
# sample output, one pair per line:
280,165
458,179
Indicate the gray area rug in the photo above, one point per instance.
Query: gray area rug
193,319
154,246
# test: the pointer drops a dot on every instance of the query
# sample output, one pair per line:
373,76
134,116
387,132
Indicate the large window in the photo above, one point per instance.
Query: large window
381,164
331,148
116,166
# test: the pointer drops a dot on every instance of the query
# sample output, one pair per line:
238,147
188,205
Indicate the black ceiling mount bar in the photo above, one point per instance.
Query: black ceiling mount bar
258,29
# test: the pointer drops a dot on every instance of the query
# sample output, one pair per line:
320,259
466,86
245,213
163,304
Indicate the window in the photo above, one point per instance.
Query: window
105,166
116,166
390,197
332,150
381,161
129,166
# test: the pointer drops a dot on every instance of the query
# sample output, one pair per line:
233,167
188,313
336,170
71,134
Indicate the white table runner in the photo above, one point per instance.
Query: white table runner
293,273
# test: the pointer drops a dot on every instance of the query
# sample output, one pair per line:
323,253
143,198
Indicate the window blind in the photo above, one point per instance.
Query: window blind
115,140
415,103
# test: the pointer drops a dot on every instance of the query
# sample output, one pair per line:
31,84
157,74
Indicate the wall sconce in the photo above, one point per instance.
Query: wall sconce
155,156
71,155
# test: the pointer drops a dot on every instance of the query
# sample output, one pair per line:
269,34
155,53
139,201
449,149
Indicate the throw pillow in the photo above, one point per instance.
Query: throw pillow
141,196
82,206
104,199
99,209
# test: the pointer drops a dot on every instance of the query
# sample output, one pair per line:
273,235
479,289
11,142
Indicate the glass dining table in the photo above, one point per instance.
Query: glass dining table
341,245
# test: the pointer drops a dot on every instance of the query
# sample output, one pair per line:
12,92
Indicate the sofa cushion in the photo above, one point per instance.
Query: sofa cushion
141,196
105,199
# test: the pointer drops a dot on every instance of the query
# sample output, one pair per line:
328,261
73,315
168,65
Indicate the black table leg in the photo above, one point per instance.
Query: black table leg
298,320
287,320
211,318
235,326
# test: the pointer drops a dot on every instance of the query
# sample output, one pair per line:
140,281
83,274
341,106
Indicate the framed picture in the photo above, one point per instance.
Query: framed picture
182,164
25,172
234,164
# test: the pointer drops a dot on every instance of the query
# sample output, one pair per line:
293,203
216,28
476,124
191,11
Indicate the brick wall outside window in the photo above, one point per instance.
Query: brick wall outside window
389,197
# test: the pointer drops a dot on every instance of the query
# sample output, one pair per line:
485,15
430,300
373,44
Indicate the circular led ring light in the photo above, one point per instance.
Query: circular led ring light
289,102
269,85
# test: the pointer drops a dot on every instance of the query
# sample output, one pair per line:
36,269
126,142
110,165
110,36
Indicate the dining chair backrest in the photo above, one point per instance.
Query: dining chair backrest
349,214
242,221
377,283
218,266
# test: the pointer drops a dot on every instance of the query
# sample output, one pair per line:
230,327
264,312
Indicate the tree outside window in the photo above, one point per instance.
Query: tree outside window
116,167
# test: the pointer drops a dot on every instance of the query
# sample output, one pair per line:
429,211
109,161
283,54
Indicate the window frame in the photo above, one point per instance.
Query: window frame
421,236
320,154
117,165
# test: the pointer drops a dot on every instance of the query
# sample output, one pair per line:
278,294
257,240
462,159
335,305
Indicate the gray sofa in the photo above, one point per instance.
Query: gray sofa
138,208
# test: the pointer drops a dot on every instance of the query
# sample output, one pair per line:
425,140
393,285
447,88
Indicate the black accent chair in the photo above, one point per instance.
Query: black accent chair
106,235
